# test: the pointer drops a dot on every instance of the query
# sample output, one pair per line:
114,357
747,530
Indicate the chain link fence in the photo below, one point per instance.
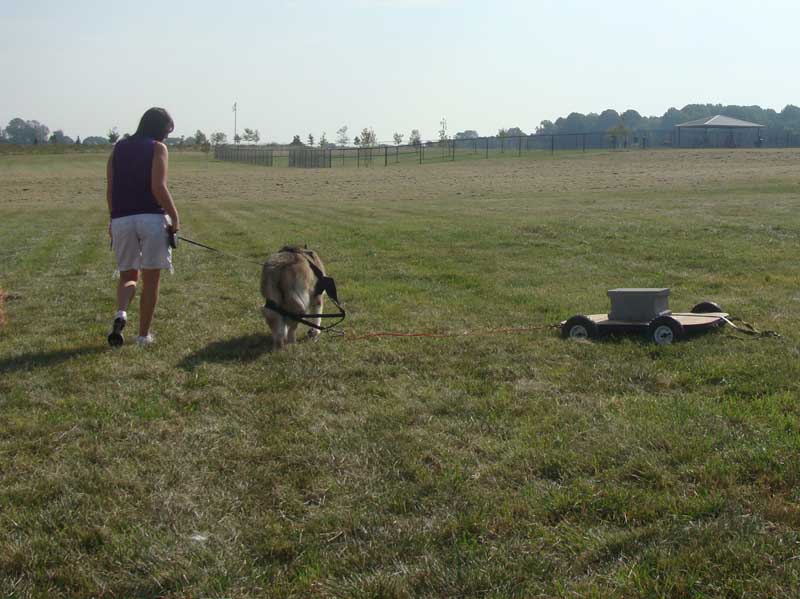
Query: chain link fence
451,150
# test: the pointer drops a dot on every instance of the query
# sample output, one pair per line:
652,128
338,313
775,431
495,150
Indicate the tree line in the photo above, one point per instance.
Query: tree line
786,122
618,125
32,132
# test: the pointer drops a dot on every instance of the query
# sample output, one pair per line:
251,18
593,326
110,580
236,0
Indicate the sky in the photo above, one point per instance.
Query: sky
300,67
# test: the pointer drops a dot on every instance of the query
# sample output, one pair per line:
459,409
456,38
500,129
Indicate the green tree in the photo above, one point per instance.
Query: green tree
672,117
546,127
23,132
200,138
398,138
218,138
341,136
251,135
58,137
618,133
113,135
631,119
310,140
368,138
608,119
414,139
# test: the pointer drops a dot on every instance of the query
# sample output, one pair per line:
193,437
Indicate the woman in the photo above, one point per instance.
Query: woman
142,211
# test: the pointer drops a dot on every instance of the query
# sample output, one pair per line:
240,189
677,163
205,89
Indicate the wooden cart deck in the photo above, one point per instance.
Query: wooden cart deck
688,320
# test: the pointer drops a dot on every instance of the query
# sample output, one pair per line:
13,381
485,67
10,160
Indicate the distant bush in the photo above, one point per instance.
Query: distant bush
95,140
47,149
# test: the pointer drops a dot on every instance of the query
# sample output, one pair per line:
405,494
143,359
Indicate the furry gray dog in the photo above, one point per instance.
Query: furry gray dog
288,280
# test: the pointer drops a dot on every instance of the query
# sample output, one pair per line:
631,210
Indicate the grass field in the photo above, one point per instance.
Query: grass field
488,465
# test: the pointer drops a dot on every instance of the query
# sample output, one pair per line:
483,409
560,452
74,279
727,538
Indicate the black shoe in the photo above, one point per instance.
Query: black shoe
115,338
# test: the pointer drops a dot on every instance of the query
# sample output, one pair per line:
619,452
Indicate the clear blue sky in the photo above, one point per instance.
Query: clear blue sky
312,66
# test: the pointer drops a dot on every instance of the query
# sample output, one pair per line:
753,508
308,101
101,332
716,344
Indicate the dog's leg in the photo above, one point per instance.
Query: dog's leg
316,308
277,327
297,303
291,327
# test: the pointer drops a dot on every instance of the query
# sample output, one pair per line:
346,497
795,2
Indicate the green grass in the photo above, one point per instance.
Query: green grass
478,466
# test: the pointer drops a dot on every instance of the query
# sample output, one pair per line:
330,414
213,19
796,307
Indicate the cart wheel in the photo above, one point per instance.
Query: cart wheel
706,307
579,327
665,330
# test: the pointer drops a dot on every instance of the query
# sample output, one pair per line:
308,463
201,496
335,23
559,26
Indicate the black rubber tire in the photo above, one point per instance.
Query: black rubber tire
579,327
706,307
665,330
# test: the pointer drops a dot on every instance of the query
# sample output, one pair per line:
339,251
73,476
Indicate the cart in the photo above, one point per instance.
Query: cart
645,311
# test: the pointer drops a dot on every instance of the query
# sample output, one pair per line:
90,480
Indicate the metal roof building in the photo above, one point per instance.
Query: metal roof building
720,122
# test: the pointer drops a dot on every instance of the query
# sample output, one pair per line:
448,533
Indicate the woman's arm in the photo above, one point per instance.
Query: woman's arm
109,185
158,184
109,179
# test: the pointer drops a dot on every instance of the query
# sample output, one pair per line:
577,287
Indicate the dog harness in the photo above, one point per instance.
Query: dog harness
324,284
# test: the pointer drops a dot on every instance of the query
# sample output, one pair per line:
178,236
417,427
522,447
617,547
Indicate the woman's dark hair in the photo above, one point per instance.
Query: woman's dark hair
156,123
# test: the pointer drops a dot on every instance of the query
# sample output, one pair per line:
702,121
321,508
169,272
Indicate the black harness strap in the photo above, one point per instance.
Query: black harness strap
324,284
301,318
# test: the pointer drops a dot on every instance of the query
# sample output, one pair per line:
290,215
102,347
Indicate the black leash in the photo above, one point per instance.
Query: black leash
208,247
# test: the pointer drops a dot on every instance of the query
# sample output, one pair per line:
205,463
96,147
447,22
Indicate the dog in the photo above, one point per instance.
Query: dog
288,280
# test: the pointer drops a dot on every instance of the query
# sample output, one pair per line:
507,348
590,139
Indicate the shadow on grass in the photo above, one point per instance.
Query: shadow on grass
46,359
245,348
644,340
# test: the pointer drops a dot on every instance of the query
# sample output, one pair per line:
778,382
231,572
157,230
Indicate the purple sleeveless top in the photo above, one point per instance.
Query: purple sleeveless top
132,165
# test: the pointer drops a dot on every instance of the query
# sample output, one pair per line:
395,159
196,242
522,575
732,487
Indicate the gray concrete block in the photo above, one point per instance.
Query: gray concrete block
638,304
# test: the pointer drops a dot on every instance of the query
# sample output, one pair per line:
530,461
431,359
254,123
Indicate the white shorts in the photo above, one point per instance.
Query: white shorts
141,241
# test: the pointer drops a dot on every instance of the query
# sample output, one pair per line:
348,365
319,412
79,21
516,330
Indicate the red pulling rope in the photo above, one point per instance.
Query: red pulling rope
461,334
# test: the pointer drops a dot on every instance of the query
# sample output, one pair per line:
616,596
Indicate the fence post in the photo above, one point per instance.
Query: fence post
487,147
519,141
385,155
552,144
